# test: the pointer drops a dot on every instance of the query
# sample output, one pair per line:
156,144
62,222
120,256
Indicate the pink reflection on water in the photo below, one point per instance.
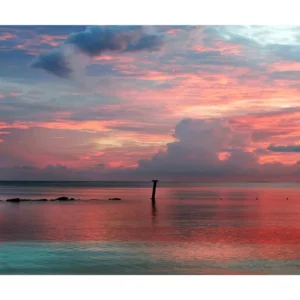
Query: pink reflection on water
192,223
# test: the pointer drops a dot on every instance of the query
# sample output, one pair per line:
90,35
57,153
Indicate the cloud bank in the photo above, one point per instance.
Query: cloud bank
204,149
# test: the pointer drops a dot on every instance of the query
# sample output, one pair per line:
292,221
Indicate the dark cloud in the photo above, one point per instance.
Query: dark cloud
95,40
149,42
53,62
288,148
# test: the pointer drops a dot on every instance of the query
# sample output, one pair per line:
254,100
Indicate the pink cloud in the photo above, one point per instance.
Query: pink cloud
52,40
173,31
7,36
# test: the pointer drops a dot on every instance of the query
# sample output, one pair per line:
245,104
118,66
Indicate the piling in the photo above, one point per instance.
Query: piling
154,190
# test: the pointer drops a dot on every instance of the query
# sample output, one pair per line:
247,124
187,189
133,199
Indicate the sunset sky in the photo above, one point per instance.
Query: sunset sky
216,103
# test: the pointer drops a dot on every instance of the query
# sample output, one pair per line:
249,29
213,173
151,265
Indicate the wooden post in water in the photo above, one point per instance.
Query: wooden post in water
154,190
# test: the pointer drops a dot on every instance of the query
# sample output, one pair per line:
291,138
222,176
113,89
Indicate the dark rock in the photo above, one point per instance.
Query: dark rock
43,199
14,200
62,198
114,199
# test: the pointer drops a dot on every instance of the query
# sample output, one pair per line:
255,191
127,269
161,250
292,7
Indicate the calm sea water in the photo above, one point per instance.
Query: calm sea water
191,230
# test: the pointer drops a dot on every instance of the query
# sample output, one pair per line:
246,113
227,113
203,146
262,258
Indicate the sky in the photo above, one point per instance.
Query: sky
208,103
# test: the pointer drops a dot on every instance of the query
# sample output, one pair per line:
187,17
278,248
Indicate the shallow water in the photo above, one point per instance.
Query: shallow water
189,231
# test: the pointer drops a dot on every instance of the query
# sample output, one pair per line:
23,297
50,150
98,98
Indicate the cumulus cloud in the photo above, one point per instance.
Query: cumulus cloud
197,151
94,41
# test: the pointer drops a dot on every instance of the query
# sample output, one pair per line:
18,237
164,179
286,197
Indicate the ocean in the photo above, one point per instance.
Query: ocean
194,228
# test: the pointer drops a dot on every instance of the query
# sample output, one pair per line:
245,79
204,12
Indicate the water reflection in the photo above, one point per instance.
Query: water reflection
153,209
195,231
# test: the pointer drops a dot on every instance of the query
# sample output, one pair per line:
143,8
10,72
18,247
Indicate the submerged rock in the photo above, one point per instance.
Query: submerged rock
114,199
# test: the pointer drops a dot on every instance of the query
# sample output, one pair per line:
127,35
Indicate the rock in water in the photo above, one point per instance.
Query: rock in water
64,199
43,199
14,200
114,199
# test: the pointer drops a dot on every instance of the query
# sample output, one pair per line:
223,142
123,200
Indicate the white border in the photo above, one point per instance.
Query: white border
154,12
165,12
149,287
